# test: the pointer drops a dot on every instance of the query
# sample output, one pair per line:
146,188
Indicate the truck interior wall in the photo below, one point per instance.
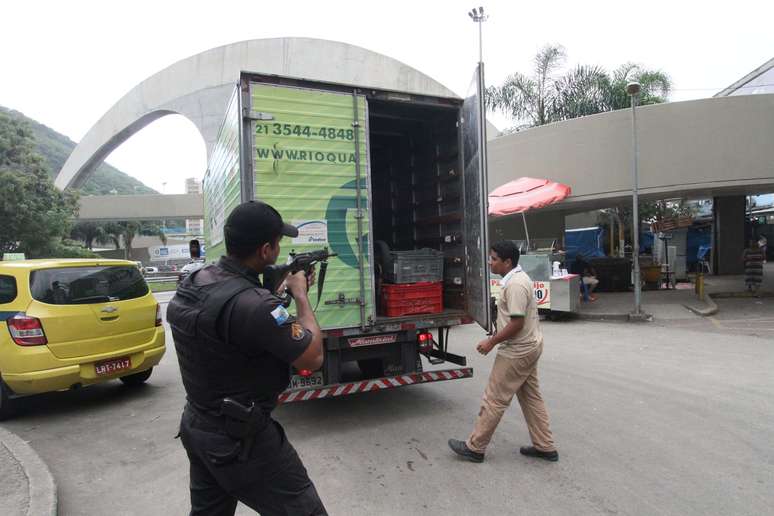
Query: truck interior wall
416,186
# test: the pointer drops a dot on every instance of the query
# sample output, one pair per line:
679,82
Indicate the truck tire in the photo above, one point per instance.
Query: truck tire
371,367
137,378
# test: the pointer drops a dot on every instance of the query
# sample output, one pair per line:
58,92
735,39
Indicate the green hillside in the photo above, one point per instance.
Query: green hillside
56,147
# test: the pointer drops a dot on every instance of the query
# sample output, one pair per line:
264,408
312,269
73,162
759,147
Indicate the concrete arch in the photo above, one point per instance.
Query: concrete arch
198,88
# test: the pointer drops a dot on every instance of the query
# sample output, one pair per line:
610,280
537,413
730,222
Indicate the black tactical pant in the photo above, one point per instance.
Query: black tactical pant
272,481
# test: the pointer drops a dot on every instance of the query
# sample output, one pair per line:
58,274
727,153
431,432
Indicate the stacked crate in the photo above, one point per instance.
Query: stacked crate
415,283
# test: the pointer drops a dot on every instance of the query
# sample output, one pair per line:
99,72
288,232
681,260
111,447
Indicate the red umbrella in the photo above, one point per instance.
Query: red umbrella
524,194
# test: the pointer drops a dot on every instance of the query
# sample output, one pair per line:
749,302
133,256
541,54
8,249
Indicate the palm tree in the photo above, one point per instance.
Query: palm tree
89,232
122,232
113,232
547,97
656,86
529,98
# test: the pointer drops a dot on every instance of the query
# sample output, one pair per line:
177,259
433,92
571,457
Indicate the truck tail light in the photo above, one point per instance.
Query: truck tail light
26,331
158,315
425,342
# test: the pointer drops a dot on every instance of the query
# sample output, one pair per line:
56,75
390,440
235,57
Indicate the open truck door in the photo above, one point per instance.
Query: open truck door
475,195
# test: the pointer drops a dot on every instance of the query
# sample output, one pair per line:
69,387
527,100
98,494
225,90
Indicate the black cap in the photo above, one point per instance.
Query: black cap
255,223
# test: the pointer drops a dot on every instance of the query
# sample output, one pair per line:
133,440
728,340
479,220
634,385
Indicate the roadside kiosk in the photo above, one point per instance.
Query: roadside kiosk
555,290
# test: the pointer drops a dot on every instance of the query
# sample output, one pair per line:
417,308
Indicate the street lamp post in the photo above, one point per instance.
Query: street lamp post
633,89
479,17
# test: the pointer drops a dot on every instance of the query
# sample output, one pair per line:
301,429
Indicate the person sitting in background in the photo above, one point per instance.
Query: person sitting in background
587,273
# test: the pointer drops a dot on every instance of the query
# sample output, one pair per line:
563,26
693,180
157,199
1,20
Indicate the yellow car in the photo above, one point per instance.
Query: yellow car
69,323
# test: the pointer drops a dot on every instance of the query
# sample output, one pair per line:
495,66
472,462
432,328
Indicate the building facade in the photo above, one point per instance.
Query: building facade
194,226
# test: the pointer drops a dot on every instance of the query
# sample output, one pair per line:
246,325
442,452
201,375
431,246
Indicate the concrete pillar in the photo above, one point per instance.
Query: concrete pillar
728,234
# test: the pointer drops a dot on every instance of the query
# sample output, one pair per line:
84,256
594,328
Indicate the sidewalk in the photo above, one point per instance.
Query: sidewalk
27,487
674,304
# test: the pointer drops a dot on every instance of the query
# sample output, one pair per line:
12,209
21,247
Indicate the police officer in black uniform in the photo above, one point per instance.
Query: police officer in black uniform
235,342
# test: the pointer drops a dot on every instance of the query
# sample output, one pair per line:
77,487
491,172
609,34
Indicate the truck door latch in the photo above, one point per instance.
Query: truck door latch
258,115
343,300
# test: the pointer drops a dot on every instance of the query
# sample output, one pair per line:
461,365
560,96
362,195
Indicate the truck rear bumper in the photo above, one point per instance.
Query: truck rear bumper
376,384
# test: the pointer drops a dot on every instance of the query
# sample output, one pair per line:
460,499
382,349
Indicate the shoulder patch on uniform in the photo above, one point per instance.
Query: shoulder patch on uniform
297,331
280,315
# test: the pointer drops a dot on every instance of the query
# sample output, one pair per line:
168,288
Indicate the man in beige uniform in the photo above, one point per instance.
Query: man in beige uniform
515,366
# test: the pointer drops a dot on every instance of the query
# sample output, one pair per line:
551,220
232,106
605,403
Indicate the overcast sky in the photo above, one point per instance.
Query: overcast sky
66,63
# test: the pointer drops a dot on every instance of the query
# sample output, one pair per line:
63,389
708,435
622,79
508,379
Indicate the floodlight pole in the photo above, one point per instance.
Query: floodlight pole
633,89
478,16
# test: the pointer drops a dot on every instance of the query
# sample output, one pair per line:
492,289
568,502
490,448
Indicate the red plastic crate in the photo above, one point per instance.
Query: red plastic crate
411,298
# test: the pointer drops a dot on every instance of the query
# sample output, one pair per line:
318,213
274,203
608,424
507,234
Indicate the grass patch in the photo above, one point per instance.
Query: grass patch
164,286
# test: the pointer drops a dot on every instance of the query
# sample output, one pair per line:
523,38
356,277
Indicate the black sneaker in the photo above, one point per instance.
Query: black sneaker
531,451
461,449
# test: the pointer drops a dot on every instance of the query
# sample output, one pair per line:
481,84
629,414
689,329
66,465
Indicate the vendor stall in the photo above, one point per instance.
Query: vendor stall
553,293
555,290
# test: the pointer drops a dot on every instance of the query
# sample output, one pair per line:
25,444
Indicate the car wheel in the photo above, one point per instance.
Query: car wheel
6,410
371,367
137,378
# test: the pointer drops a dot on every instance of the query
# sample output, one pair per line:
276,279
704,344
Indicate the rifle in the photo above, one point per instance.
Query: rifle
273,275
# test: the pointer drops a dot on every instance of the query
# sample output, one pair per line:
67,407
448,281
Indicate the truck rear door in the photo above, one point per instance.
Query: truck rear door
475,199
308,159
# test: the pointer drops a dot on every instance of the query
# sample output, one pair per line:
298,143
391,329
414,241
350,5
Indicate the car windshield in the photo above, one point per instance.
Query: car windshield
90,284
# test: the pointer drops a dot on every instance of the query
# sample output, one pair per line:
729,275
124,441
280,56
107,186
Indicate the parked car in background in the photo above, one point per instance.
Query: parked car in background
190,267
150,270
65,324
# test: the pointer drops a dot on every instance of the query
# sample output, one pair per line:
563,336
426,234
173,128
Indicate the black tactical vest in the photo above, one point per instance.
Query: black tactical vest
212,367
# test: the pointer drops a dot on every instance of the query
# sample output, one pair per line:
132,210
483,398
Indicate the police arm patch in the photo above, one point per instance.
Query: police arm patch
296,331
280,315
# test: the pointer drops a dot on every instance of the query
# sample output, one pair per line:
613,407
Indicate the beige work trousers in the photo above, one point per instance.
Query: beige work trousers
511,376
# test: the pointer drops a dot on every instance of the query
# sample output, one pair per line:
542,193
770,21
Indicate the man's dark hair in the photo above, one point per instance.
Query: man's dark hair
507,249
195,249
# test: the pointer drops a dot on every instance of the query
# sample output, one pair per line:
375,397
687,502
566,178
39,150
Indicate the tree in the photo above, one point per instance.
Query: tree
90,232
154,228
113,232
34,214
124,233
547,96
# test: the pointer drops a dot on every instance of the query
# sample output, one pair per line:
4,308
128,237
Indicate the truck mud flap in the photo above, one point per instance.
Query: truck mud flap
376,384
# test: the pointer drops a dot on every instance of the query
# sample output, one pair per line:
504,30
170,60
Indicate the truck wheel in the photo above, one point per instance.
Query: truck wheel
137,378
6,410
371,367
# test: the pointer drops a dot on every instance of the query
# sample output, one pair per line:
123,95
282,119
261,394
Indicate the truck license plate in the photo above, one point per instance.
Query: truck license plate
112,366
302,382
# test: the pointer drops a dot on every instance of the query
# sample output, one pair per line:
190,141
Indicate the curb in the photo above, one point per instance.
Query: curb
612,317
712,307
741,295
43,498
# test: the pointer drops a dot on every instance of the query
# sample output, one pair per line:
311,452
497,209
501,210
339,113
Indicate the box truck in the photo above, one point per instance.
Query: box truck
394,183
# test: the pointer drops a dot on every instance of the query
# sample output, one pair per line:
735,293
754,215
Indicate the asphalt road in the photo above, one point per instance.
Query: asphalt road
649,419
752,317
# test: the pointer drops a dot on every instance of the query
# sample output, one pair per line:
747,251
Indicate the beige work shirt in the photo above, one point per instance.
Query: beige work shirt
517,299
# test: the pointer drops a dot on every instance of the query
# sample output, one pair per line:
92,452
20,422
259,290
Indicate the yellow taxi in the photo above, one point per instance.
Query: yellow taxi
70,323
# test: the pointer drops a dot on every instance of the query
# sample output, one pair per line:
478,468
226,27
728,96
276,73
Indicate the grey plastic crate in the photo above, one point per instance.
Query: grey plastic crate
415,266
